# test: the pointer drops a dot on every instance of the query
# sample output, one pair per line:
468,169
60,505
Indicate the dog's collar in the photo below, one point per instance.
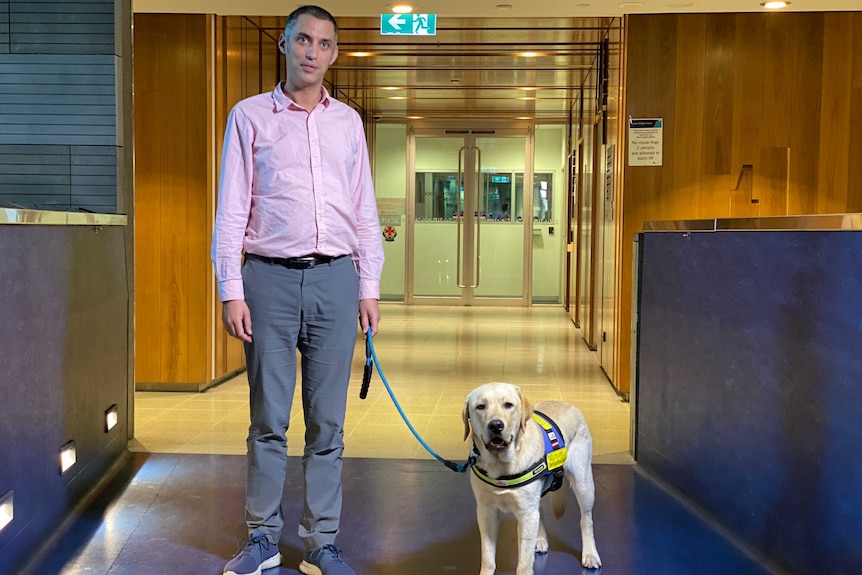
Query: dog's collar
554,458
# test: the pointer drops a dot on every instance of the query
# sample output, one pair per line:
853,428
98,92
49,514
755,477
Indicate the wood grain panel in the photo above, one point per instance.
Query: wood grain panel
688,136
173,194
805,94
748,98
147,207
718,96
172,202
854,177
771,182
835,118
199,218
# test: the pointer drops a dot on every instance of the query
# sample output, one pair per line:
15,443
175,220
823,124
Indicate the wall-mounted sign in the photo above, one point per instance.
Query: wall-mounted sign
646,137
408,24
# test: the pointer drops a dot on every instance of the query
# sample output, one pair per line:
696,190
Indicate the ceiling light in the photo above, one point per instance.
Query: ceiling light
415,117
359,54
391,88
527,88
504,7
680,4
68,456
524,118
625,5
775,5
7,511
397,98
402,8
529,54
526,98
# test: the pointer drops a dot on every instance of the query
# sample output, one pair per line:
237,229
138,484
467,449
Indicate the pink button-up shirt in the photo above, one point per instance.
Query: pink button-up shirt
295,183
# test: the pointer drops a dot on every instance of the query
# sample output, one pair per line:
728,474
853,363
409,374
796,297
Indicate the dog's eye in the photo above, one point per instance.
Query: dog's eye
508,405
480,407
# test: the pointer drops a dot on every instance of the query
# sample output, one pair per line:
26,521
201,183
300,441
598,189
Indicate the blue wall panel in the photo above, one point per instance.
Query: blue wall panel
750,386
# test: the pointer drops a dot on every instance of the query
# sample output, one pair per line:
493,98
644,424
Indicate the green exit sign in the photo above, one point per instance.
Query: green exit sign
408,24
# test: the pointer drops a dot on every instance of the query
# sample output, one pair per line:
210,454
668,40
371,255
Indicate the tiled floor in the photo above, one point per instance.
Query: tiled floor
432,357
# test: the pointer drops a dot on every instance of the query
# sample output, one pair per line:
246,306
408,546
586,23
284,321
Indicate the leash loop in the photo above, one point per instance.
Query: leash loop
370,362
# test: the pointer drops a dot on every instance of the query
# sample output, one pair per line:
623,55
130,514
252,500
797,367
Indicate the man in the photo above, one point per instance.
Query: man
296,196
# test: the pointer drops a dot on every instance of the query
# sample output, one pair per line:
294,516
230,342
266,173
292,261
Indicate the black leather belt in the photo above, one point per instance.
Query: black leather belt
301,263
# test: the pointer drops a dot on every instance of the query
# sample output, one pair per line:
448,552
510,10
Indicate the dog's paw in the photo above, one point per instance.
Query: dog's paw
541,545
591,560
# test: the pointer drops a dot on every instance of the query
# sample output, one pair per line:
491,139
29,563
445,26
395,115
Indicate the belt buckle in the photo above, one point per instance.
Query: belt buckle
304,263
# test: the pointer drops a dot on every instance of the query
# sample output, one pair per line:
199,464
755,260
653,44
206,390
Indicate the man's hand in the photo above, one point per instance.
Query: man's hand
369,316
237,319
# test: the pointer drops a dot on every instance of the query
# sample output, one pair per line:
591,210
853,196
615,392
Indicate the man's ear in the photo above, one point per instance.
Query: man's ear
526,410
465,415
282,47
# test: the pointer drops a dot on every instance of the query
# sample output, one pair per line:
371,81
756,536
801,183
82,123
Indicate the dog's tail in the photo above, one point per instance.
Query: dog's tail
560,499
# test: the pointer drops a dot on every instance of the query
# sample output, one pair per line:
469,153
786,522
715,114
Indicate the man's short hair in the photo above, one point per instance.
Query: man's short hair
316,11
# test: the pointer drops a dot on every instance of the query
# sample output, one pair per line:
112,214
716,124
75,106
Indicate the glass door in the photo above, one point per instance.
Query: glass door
467,218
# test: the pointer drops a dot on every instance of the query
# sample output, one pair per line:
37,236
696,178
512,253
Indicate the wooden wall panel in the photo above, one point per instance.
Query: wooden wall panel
854,178
835,113
687,135
782,93
147,137
805,136
172,248
718,95
199,227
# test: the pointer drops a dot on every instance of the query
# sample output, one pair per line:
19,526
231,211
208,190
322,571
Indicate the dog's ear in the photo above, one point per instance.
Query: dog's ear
526,410
465,415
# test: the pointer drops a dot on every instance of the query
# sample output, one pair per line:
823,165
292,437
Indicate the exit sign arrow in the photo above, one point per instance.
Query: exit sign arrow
408,24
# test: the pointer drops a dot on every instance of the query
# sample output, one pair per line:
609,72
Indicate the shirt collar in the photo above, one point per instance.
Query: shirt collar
282,101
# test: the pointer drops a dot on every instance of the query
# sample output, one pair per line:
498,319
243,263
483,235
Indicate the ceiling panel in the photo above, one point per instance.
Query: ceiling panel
483,67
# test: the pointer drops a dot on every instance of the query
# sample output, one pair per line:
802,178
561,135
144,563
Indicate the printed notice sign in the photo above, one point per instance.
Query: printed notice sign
645,142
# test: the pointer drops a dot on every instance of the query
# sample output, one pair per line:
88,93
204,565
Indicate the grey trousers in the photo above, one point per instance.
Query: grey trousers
314,311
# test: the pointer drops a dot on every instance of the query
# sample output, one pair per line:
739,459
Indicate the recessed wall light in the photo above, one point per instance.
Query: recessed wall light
359,54
402,8
526,98
111,418
625,5
775,5
7,510
415,117
504,7
391,88
68,456
397,98
529,54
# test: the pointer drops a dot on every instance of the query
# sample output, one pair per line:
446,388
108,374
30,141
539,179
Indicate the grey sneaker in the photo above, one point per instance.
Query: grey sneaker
325,561
254,555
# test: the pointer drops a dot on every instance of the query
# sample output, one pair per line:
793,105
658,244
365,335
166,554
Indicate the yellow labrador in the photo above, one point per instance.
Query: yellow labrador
510,443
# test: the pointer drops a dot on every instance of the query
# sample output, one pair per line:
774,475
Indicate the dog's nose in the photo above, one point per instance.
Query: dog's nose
496,426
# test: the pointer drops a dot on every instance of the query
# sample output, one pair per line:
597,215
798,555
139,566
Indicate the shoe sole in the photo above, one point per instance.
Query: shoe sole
309,568
274,561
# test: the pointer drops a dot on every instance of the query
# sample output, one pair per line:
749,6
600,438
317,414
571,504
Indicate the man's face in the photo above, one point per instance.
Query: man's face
309,51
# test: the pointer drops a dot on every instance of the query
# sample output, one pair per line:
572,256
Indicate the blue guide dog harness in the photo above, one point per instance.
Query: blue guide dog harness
549,468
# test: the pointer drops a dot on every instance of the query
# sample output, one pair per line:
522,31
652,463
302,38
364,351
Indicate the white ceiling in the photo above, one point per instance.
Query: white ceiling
485,8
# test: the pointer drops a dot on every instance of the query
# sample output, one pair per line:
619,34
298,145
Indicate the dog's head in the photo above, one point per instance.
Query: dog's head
497,413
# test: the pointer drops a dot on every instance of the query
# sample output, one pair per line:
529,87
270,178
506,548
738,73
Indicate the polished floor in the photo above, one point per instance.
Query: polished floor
432,357
176,507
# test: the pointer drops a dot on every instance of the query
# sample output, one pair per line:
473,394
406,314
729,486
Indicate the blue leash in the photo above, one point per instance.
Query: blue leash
363,393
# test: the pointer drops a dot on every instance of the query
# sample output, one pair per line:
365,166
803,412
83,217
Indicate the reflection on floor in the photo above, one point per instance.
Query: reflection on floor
178,514
177,507
432,357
